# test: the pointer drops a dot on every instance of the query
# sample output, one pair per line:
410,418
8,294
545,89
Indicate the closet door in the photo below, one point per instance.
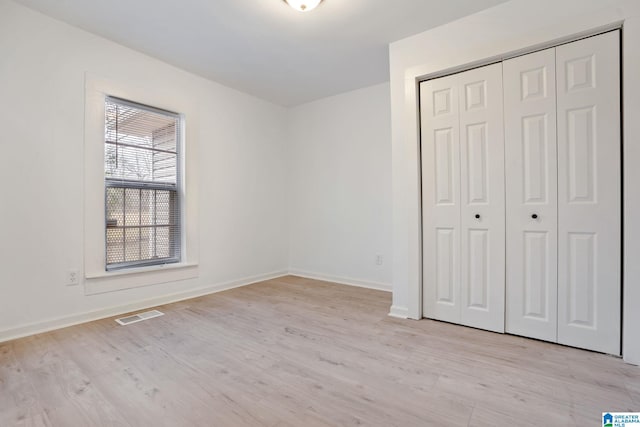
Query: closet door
482,216
531,195
440,148
589,193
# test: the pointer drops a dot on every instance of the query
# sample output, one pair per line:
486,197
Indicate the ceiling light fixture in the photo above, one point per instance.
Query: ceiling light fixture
303,5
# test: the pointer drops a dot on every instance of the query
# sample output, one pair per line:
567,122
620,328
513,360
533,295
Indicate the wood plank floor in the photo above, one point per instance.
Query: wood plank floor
299,352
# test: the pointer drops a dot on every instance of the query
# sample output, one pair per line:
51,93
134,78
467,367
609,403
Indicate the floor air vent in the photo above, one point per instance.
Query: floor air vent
124,321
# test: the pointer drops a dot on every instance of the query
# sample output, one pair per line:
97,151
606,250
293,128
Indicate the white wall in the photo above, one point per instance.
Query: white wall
493,34
340,187
240,187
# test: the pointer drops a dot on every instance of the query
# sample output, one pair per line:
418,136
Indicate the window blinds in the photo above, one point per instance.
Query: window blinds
142,182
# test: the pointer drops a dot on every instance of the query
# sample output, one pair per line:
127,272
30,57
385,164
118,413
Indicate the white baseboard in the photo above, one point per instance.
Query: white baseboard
342,280
63,322
75,319
399,312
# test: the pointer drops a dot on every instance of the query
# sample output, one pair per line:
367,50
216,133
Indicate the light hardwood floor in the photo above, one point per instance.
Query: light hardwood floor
299,352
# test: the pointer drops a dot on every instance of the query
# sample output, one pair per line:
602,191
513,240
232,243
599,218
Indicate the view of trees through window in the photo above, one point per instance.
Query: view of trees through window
141,185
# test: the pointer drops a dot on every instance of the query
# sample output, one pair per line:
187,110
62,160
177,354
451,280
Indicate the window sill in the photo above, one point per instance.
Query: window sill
108,281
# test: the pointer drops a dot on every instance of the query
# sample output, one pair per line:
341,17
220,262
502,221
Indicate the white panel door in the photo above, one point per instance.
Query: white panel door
440,150
589,193
482,216
531,195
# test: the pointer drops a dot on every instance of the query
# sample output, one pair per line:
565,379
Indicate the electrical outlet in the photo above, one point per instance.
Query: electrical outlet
379,259
73,277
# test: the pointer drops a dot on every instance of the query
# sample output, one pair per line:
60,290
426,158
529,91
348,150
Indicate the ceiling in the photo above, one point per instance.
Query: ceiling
263,47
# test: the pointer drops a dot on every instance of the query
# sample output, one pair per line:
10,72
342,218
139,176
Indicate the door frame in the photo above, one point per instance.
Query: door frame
407,299
492,61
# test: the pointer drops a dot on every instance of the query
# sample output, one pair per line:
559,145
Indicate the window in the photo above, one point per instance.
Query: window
142,185
124,263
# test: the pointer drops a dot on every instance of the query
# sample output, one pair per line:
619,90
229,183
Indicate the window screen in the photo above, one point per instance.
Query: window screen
142,182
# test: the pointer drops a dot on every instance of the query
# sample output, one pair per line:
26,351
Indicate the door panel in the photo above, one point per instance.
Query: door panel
478,275
477,172
482,194
536,276
581,280
581,159
446,276
535,157
589,193
444,166
440,148
531,195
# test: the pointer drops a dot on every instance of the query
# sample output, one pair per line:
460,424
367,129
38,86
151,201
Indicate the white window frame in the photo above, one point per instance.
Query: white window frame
168,97
111,182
